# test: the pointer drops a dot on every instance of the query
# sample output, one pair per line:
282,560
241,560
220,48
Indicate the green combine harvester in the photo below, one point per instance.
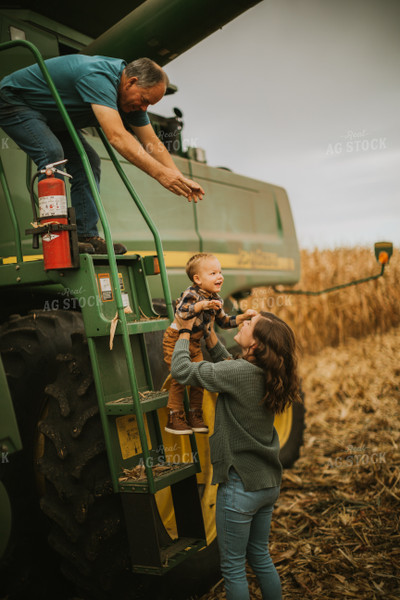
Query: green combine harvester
91,487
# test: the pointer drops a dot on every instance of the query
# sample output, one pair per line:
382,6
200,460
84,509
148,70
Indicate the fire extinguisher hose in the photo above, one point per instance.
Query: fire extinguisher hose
35,239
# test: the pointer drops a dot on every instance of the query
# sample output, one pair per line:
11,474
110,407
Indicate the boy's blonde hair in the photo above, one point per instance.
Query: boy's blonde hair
192,265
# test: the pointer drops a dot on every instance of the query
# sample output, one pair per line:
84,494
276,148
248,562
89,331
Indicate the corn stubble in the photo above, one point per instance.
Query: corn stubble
335,529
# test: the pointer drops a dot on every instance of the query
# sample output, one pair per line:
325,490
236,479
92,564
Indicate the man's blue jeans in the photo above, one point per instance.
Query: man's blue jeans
29,129
243,524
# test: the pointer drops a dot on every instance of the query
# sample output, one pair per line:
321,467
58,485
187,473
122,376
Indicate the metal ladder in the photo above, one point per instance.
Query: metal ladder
119,398
131,393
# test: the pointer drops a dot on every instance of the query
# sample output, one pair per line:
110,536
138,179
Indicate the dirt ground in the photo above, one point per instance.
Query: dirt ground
335,531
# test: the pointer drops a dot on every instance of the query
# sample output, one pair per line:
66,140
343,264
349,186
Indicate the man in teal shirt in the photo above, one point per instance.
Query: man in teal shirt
96,90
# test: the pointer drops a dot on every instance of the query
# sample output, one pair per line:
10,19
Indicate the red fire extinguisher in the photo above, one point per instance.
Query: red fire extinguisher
53,222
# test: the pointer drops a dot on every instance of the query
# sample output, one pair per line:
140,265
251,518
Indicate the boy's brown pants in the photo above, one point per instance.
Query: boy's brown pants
176,391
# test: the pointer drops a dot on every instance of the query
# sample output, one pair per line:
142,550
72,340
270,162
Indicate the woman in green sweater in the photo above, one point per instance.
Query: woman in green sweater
245,445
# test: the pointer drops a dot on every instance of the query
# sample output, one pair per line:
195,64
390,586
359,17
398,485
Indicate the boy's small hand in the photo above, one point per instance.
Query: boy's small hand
249,314
207,305
213,304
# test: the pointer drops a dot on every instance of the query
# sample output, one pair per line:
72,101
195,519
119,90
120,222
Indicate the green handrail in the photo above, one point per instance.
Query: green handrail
111,259
147,218
160,255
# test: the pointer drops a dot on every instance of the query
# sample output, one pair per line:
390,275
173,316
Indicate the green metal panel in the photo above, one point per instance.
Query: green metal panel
158,25
163,29
14,162
41,20
249,225
172,215
17,58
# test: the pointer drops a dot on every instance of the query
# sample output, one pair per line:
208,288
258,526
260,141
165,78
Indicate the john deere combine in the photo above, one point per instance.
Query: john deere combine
90,484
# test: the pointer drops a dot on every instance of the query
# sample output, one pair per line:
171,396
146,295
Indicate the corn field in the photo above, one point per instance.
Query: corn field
331,319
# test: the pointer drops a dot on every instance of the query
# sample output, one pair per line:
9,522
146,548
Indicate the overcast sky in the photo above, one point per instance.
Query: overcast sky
304,94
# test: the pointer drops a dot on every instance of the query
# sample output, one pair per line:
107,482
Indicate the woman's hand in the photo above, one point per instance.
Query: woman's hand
211,339
184,323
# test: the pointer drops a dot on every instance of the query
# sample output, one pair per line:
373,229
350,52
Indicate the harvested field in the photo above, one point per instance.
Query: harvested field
335,531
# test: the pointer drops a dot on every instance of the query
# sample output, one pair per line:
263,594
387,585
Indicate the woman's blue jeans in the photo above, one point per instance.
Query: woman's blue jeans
243,524
29,129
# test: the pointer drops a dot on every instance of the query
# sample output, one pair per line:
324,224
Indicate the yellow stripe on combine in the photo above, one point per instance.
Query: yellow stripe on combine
254,260
27,258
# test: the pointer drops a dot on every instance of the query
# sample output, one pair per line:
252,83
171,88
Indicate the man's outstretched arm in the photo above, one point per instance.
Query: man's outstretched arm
154,146
162,169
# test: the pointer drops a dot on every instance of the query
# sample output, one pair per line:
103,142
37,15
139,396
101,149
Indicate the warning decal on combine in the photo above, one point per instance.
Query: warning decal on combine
105,287
128,435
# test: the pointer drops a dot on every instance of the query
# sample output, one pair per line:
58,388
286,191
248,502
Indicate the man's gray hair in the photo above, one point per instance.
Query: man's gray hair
147,71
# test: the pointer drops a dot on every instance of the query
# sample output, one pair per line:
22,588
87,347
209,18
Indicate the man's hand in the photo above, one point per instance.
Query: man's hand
182,186
207,305
175,182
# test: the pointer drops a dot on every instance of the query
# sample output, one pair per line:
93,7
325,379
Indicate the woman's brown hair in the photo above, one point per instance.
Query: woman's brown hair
276,354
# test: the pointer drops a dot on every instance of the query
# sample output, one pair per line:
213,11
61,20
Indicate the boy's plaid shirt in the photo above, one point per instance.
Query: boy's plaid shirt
185,310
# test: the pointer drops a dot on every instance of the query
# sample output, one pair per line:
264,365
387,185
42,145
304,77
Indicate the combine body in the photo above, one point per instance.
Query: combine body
247,223
87,415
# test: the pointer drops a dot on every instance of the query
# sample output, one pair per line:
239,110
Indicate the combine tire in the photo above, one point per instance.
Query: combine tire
78,499
29,345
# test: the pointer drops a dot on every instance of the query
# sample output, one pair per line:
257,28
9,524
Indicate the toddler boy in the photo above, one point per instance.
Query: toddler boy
200,300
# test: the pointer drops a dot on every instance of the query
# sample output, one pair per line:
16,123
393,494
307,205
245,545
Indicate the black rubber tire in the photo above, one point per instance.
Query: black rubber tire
29,345
86,516
290,452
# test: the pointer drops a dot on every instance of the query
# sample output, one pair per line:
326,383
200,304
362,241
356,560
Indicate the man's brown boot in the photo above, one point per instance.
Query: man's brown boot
100,246
84,248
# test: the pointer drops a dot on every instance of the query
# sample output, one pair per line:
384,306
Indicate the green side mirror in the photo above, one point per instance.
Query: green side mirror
383,252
